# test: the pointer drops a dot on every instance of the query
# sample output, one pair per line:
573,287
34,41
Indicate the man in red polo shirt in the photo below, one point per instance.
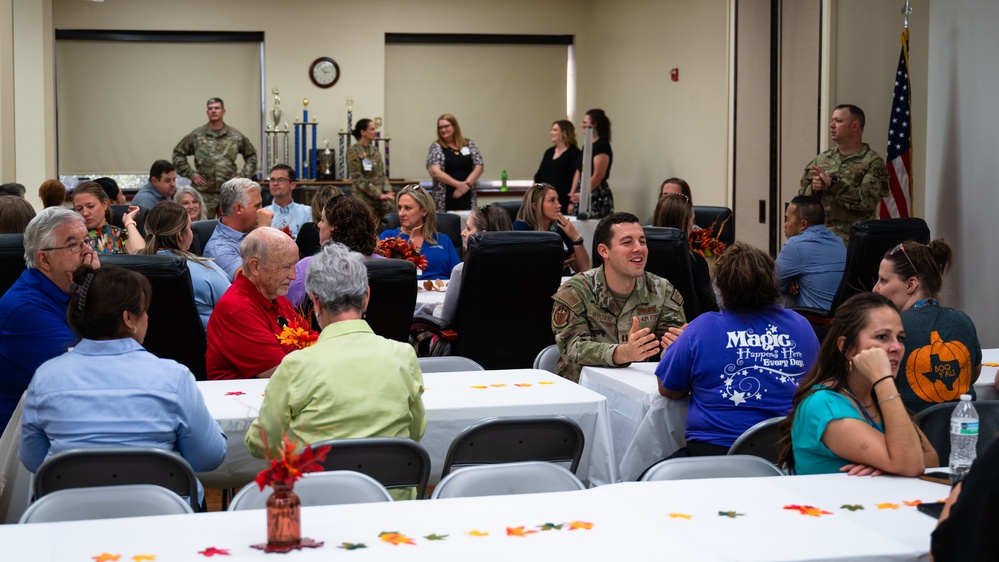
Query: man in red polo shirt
244,326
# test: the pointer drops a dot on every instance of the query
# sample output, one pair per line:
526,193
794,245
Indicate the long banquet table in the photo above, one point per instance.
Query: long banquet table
646,426
453,401
807,518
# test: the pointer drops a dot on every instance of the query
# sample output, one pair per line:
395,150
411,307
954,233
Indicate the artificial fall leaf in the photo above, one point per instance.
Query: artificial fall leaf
887,505
352,545
580,525
913,503
436,537
478,533
679,516
519,532
523,384
851,507
498,385
550,527
143,557
212,551
546,382
106,557
289,466
480,386
808,510
396,538
428,285
235,393
731,514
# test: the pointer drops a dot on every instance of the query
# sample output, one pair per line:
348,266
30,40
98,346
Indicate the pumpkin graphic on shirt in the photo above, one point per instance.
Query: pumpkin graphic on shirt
940,371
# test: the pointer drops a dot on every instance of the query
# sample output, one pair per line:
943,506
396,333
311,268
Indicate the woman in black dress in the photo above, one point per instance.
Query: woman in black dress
558,165
455,165
601,198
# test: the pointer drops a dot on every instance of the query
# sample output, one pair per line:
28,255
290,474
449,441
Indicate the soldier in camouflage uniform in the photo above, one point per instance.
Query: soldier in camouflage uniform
214,147
850,179
617,313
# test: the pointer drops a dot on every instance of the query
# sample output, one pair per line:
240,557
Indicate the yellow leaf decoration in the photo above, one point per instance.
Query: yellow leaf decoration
396,538
480,386
143,557
478,533
680,516
887,505
499,385
519,531
546,382
580,525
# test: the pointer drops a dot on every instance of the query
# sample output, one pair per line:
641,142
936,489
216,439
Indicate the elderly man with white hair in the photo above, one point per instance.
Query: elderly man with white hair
351,383
33,326
244,326
242,211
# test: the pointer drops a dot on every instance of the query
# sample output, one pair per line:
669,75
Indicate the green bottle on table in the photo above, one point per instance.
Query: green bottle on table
503,178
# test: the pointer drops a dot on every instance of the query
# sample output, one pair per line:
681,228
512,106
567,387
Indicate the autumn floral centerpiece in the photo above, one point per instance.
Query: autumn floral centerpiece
704,242
401,249
296,333
284,521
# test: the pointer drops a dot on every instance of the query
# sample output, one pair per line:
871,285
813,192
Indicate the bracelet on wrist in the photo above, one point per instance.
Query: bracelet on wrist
578,242
887,398
130,224
884,378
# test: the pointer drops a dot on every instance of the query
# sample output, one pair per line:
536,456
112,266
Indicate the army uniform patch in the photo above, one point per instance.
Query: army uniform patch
560,319
677,298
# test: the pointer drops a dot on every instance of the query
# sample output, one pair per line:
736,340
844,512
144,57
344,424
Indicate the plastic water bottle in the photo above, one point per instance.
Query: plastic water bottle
503,179
963,438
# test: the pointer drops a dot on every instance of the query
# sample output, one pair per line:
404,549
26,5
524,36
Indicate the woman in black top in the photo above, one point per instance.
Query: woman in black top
558,165
601,198
455,164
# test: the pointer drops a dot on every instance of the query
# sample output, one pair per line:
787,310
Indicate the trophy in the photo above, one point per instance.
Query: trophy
326,162
276,112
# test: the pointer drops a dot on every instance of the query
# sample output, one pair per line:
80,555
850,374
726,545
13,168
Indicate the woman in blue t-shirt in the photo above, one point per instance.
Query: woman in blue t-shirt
418,225
846,414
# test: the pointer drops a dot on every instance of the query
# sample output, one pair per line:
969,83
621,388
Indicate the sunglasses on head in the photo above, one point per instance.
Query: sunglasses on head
901,247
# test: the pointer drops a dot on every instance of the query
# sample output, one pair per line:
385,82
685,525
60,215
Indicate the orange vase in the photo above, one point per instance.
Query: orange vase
284,517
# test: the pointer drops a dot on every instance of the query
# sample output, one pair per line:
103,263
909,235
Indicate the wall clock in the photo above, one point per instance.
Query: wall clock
324,72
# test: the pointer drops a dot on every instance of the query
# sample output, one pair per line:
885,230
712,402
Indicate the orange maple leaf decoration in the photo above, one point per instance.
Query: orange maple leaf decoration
478,533
887,505
396,538
913,503
808,510
401,249
580,525
297,335
703,242
679,516
289,466
519,532
287,230
106,557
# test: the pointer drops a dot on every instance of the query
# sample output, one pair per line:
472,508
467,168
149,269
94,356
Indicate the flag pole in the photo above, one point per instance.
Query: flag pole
906,10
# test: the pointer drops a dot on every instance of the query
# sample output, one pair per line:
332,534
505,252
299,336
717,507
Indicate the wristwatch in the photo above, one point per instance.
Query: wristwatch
578,242
833,179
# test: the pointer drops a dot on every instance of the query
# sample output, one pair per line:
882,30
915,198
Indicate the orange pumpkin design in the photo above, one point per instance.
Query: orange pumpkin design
940,371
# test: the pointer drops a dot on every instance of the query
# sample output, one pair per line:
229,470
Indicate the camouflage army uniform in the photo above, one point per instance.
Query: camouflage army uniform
369,186
589,324
861,183
215,159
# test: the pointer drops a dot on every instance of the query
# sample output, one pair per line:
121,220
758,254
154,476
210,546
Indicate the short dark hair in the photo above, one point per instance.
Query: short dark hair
602,235
354,222
99,297
809,207
215,100
13,188
291,171
110,188
684,187
161,167
855,112
745,277
15,214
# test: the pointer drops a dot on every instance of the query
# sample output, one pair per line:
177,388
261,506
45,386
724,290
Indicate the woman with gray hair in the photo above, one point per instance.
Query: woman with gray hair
192,202
351,382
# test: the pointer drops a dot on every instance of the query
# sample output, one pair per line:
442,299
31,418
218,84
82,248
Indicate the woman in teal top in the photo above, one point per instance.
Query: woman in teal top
847,415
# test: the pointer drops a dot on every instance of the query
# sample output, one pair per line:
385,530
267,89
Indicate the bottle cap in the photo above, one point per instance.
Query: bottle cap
965,398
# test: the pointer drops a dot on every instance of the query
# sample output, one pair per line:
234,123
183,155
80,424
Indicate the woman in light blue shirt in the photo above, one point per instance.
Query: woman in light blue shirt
168,231
110,392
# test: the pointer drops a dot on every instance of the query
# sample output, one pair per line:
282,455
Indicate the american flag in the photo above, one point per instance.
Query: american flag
898,203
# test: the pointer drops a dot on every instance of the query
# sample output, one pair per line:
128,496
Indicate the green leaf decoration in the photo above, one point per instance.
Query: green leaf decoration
352,545
435,537
854,507
731,514
550,527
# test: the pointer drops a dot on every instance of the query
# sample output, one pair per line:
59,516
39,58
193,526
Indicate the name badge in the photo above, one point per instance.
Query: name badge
366,164
465,151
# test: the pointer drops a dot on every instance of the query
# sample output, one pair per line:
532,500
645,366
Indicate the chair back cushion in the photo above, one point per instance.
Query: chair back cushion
867,246
511,207
503,315
393,297
11,260
759,441
517,439
692,468
203,231
308,239
105,502
395,462
175,329
451,225
720,219
507,479
669,257
388,222
318,488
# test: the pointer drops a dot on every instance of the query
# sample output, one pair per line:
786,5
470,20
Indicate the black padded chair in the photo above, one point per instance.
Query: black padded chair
669,257
118,212
11,260
395,462
935,423
175,330
308,240
506,292
116,466
511,207
720,219
867,246
203,231
759,440
393,297
449,224
517,439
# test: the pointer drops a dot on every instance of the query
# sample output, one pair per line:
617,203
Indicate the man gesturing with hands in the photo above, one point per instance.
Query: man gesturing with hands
617,313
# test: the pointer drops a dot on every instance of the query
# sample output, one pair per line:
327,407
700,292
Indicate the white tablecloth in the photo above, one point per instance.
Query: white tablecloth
985,385
646,427
680,520
453,401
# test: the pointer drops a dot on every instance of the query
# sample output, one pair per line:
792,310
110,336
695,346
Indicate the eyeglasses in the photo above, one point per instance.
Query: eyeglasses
902,247
442,127
278,180
76,247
